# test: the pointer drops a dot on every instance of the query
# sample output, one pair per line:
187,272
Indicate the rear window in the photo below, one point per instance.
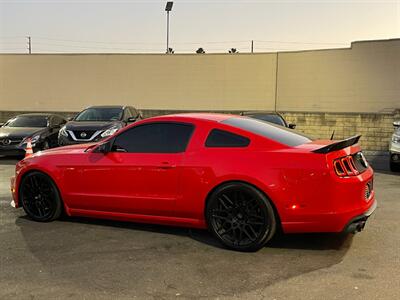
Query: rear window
269,118
277,133
222,138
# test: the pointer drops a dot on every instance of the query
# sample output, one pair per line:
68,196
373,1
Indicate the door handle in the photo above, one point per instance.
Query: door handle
166,165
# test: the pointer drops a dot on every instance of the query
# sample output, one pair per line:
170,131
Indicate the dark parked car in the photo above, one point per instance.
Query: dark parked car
269,116
395,148
41,128
96,123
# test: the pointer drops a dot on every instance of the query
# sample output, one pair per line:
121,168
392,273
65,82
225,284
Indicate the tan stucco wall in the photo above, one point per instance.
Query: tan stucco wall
365,78
70,82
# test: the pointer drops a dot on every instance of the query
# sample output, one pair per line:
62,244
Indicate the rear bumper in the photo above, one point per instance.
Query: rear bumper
335,206
333,222
357,224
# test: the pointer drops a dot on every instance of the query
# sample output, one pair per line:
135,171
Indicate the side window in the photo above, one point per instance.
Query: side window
154,138
222,138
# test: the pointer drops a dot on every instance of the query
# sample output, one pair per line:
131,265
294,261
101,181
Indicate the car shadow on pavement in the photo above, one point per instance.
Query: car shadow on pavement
157,261
308,241
313,241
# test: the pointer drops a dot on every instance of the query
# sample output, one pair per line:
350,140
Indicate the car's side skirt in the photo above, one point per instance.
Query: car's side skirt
163,220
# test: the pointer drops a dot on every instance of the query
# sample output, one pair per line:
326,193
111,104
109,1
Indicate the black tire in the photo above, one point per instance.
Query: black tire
394,167
39,197
240,216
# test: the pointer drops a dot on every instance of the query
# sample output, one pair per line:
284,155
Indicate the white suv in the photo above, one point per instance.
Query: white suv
395,148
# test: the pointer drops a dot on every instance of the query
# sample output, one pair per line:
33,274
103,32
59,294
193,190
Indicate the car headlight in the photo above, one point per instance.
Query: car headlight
63,131
396,139
34,139
110,131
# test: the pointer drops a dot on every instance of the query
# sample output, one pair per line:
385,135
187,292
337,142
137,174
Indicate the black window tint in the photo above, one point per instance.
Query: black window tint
155,138
277,133
222,138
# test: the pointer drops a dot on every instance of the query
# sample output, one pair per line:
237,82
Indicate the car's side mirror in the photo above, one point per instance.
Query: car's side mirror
396,124
292,126
104,147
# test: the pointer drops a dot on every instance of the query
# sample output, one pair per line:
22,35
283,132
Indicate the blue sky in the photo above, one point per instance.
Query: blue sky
139,26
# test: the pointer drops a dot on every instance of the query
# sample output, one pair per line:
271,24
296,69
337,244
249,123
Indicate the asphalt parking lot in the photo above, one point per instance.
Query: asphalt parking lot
87,259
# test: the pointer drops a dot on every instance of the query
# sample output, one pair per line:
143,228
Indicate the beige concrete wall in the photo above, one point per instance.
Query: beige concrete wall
71,82
365,78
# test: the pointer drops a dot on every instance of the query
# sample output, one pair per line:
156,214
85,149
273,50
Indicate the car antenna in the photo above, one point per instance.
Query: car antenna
333,134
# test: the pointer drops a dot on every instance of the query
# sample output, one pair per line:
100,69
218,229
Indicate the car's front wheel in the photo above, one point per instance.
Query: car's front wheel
241,216
39,197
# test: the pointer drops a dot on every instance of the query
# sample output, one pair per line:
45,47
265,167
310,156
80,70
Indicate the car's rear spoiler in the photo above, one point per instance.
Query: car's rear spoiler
338,145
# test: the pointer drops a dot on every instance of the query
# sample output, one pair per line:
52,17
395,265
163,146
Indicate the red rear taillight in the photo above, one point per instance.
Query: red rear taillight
339,168
345,166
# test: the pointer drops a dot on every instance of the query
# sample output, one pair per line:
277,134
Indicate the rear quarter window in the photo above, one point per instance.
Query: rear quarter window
277,133
222,138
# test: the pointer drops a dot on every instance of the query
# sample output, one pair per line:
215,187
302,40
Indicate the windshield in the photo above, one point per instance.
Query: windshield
269,118
274,132
28,121
100,114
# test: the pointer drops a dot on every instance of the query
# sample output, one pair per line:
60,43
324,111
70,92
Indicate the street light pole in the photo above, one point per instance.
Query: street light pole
167,32
168,8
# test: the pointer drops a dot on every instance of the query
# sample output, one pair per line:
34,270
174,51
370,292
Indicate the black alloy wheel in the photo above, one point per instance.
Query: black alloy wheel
39,197
240,216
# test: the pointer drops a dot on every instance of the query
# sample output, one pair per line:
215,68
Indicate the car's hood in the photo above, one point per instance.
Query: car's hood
90,125
77,148
19,132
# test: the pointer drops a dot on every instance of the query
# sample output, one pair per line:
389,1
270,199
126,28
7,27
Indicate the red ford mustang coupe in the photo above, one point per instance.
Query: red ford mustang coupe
241,178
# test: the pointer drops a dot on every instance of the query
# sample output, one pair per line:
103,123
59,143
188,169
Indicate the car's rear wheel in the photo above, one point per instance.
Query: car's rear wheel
240,216
39,197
